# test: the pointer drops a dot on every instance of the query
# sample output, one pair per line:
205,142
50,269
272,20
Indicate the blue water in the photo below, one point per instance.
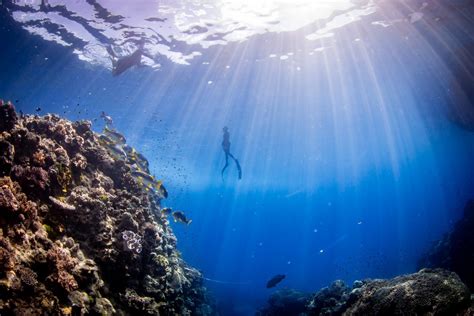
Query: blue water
351,164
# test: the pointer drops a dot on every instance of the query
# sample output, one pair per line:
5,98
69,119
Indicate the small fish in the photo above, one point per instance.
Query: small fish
114,135
107,119
148,179
128,149
116,152
275,280
179,216
149,182
141,161
38,109
163,190
105,141
136,158
166,211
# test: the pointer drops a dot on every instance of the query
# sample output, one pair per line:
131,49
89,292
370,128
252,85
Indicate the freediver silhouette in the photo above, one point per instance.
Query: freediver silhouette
226,148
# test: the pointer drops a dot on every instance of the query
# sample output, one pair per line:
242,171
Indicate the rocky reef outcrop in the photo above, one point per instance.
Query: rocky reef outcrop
286,302
455,251
78,233
427,292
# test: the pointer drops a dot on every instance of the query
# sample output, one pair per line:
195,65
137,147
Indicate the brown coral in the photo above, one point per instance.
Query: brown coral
28,276
8,201
34,180
39,158
62,263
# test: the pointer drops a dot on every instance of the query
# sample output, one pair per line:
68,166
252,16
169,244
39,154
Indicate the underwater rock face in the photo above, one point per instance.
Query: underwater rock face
65,207
330,300
455,251
427,292
286,302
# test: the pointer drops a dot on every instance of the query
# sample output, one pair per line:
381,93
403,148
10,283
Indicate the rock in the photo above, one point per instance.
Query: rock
103,307
330,300
428,292
455,251
286,302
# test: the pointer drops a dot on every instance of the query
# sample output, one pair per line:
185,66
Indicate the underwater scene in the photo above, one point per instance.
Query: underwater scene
237,157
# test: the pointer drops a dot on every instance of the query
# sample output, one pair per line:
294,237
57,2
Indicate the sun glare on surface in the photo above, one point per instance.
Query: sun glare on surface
289,14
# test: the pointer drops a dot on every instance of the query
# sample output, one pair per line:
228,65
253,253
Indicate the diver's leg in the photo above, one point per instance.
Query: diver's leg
225,166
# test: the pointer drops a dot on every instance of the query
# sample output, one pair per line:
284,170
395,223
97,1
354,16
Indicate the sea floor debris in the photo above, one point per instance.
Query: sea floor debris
66,204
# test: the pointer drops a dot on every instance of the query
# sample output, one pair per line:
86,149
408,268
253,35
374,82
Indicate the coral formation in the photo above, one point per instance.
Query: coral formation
427,292
455,251
78,233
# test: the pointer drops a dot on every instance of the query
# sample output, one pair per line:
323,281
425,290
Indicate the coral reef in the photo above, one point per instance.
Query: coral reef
78,233
455,251
427,292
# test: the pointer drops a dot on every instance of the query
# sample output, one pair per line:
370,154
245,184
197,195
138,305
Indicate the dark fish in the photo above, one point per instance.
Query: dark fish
275,280
38,109
166,211
179,216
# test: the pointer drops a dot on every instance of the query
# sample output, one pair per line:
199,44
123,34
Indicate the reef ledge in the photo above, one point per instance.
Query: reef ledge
427,292
78,234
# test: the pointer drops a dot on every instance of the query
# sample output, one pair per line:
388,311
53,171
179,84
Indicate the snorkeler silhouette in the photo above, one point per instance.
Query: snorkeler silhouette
121,64
226,148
